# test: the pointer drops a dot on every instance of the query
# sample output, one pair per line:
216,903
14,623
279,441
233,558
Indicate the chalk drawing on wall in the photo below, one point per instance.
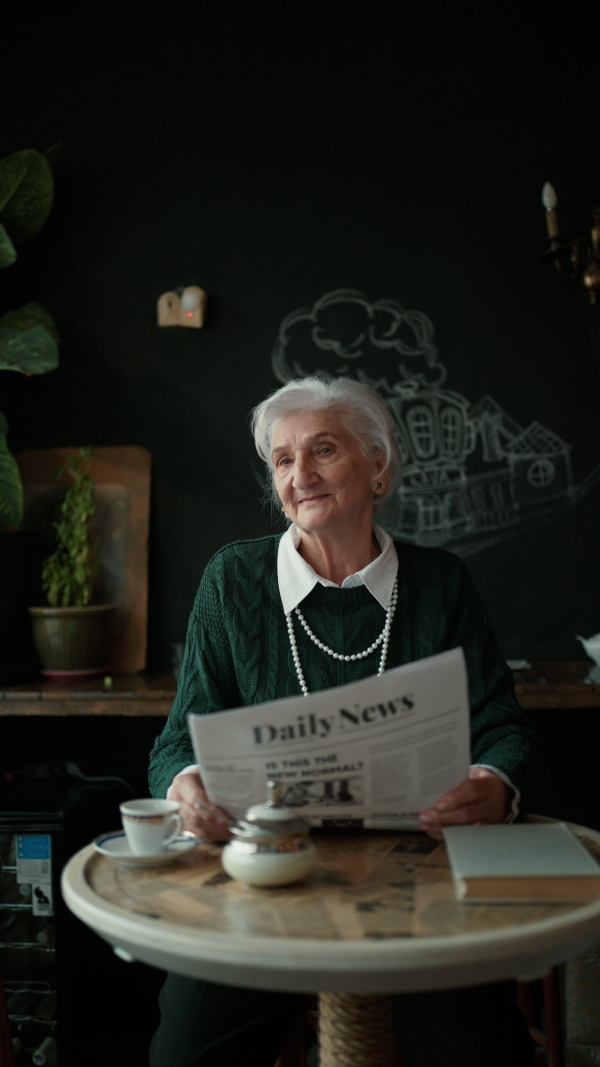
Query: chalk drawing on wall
472,475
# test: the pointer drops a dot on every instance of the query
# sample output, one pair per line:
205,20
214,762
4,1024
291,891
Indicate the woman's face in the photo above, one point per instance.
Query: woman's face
321,475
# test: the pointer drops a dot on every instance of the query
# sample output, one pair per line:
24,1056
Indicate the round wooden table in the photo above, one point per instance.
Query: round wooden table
376,916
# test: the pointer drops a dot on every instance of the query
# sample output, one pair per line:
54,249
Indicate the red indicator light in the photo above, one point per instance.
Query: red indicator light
189,314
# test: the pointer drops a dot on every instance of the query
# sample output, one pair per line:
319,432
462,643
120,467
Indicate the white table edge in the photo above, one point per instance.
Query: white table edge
391,965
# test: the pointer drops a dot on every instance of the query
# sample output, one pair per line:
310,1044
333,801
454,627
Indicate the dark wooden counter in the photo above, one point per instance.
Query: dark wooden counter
130,694
544,685
557,685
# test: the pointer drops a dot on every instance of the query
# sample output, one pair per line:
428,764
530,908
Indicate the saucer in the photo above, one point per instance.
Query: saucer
115,847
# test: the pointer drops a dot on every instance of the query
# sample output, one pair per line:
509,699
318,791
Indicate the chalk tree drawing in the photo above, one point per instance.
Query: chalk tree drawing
472,475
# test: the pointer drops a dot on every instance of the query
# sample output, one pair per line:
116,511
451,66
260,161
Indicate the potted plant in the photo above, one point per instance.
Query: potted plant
71,634
28,345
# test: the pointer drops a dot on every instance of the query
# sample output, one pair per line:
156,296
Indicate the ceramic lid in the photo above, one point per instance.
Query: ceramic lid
271,820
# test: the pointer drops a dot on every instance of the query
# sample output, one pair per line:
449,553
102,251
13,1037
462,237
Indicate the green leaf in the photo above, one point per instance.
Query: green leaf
30,315
11,488
26,193
33,351
8,254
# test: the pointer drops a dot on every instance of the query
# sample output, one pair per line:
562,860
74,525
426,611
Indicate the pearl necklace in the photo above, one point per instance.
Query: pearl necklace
383,640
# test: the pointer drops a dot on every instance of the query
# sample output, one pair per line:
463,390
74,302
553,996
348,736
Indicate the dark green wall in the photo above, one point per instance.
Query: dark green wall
272,153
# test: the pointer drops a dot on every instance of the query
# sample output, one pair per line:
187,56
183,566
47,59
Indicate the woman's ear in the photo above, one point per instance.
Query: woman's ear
381,480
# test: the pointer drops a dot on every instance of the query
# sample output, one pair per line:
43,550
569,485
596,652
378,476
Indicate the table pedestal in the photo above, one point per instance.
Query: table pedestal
356,1031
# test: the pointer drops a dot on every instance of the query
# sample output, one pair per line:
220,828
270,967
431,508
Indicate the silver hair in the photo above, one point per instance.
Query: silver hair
368,419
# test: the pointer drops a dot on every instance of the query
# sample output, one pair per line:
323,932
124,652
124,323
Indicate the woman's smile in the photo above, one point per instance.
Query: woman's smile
307,501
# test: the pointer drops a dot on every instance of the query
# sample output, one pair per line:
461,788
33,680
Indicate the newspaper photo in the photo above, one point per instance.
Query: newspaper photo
373,753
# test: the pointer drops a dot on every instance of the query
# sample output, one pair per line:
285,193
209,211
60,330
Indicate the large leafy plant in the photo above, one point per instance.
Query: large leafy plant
28,338
68,574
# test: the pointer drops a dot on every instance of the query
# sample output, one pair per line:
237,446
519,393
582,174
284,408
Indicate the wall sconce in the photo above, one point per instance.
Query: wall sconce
184,307
573,258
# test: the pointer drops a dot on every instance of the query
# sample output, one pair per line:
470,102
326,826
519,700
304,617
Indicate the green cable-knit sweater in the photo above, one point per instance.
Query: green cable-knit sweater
238,652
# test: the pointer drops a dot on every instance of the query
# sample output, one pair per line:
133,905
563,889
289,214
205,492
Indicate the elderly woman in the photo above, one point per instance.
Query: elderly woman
308,610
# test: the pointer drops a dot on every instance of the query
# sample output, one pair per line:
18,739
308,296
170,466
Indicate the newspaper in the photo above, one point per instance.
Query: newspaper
372,754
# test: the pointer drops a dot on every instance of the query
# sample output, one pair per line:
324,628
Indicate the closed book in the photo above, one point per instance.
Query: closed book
521,863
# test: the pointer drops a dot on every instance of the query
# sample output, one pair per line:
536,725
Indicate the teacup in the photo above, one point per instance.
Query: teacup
150,825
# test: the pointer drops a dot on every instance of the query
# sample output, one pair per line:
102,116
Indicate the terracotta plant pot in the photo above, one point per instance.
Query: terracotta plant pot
72,641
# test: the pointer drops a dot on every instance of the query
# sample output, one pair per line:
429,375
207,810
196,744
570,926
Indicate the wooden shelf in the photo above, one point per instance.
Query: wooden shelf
545,685
557,685
131,694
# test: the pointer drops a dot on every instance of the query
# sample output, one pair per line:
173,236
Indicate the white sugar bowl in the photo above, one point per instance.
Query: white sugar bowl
270,845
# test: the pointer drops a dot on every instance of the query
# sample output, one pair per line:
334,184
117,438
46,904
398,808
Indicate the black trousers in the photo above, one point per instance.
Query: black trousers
208,1025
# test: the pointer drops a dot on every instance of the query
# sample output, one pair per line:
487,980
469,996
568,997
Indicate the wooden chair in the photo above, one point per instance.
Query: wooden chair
540,1003
580,1002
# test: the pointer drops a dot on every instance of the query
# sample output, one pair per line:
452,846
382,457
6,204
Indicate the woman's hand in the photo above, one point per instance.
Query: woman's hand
484,797
199,815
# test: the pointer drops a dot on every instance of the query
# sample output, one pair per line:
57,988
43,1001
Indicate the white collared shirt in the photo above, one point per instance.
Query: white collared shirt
296,577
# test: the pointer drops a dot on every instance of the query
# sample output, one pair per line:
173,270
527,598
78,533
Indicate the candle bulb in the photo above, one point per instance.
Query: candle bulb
549,202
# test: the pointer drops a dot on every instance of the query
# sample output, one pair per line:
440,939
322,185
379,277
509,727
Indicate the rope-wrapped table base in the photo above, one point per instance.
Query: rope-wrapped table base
356,1031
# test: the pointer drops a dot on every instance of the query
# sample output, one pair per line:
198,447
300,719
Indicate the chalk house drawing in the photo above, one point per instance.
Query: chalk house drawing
472,475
